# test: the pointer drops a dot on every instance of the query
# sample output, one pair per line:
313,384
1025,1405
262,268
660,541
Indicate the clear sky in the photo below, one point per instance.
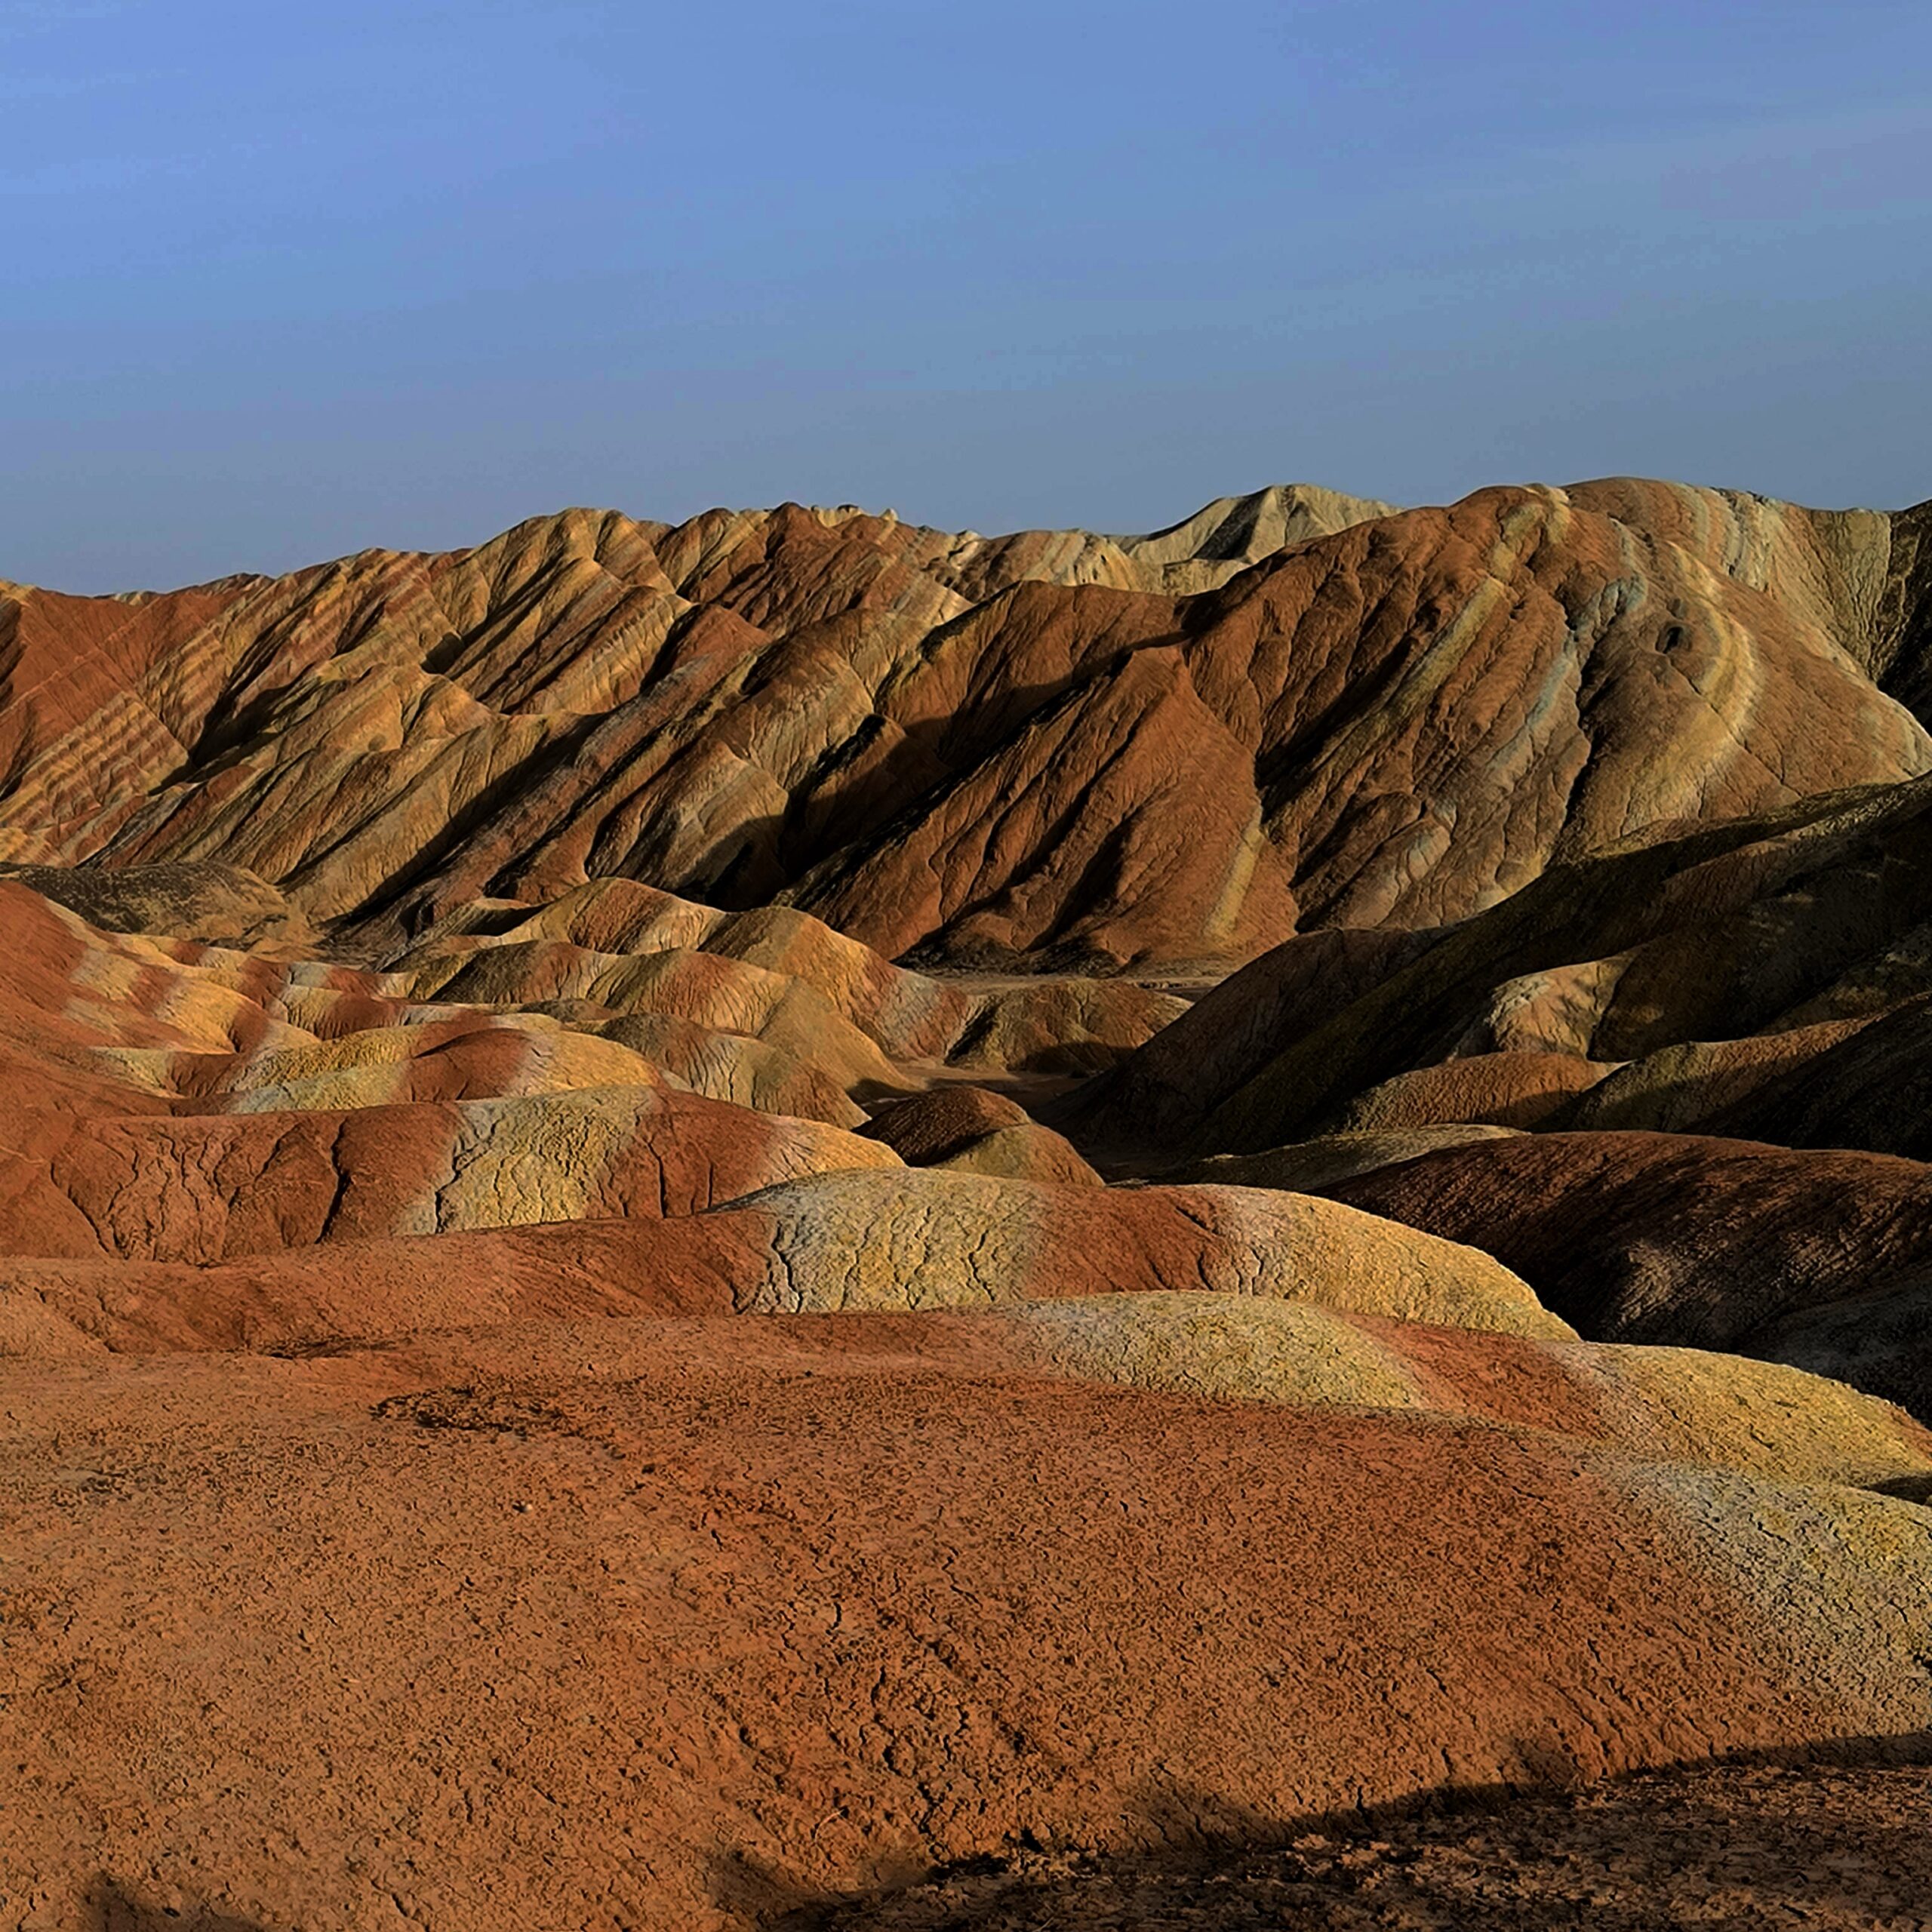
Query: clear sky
279,281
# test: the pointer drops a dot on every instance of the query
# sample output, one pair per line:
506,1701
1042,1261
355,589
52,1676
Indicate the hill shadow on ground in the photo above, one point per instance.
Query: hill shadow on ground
1762,1840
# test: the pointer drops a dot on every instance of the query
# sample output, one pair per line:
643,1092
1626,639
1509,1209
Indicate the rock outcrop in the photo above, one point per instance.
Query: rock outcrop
1793,931
969,1129
992,751
1687,1240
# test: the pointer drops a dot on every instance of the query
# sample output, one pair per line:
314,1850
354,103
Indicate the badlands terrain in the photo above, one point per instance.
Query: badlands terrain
801,1221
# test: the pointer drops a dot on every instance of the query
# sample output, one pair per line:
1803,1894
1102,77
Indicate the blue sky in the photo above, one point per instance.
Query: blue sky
276,283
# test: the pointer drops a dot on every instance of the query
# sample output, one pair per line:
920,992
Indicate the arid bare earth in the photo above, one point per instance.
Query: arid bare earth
667,1625
1841,1848
568,1358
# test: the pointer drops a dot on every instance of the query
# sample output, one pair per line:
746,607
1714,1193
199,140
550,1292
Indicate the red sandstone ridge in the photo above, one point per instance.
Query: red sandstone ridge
693,1220
989,750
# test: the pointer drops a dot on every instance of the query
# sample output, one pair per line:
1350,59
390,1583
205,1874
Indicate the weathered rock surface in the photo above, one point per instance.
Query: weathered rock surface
974,1131
1305,1166
225,905
1868,1087
1682,1088
929,1127
1037,747
201,1189
1520,1089
779,976
1815,916
917,1241
1685,1239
